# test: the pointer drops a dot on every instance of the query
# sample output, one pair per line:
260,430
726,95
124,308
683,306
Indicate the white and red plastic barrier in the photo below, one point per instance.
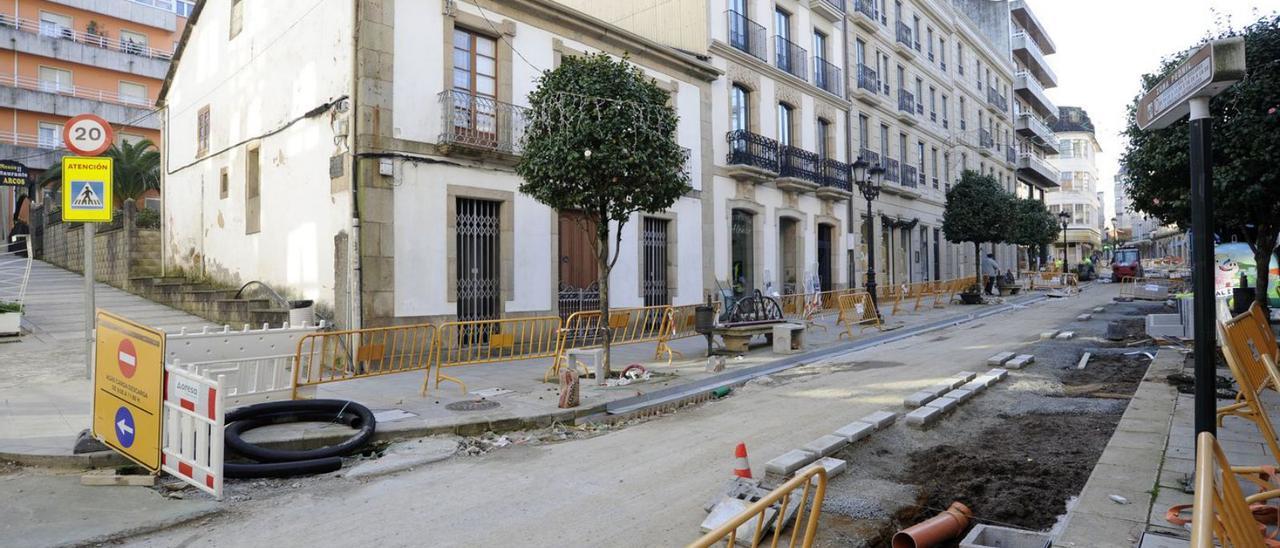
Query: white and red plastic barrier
194,426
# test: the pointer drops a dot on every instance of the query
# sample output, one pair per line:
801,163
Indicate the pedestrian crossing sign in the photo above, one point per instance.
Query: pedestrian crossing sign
86,189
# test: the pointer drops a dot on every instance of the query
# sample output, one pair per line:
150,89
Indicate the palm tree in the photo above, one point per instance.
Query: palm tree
135,169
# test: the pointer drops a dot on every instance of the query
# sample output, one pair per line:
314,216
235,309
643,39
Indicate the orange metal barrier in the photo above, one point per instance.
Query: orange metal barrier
629,325
332,356
857,309
488,341
812,488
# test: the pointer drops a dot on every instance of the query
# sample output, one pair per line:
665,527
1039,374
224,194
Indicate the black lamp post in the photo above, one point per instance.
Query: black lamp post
867,177
1066,218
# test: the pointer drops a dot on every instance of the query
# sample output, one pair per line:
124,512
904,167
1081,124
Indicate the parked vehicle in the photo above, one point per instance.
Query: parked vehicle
1126,262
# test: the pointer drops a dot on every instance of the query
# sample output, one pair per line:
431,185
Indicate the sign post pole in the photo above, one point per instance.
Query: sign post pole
90,229
1202,274
86,198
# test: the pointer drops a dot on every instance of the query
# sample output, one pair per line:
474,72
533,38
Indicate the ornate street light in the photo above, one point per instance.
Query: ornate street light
1065,218
868,178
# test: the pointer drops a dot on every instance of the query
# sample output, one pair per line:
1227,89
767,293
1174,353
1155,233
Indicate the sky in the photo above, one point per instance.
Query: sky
1105,46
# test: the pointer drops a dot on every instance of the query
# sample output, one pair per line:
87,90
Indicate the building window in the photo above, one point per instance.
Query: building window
933,165
740,108
202,132
933,104
133,42
55,80
960,58
742,251
224,184
151,203
942,54
863,137
944,111
785,119
132,93
824,133
56,25
252,195
884,144
962,112
237,17
819,45
50,135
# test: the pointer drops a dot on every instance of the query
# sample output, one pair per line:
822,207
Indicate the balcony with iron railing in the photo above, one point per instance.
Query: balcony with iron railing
752,157
985,141
868,83
904,43
1026,50
797,169
834,179
910,176
999,102
1037,171
1010,155
827,76
833,10
906,106
746,35
58,32
866,15
80,92
890,170
1037,132
472,124
789,57
1027,87
868,156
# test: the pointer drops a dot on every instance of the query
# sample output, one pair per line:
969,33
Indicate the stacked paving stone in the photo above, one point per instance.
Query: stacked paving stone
1009,360
969,385
817,452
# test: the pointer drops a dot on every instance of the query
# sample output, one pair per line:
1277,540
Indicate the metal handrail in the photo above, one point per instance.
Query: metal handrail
745,34
890,170
904,34
909,175
798,163
747,148
835,174
867,8
53,30
984,139
80,92
868,79
868,156
827,76
789,56
906,101
27,139
481,122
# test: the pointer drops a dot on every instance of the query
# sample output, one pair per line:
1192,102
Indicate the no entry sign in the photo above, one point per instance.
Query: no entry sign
128,388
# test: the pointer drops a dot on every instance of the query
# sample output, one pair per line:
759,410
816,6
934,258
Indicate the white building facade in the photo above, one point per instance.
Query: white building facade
1077,163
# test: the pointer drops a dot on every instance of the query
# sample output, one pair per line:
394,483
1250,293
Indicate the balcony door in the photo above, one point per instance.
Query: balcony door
474,100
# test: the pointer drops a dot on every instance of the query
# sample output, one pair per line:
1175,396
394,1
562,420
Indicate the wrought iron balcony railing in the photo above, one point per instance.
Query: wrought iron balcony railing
1010,155
789,57
906,101
910,176
999,101
798,163
751,149
868,79
904,34
871,158
835,174
867,8
481,122
746,35
985,140
827,76
890,170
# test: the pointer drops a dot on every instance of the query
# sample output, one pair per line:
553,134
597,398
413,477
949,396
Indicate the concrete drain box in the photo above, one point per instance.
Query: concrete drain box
990,536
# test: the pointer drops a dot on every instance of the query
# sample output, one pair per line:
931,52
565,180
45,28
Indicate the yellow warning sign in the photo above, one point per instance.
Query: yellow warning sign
86,189
128,388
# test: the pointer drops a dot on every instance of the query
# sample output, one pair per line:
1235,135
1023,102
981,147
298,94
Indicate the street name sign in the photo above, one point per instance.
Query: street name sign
87,135
86,189
1205,73
128,388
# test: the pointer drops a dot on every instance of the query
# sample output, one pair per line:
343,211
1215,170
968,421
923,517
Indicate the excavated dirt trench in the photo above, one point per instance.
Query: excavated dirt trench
1014,454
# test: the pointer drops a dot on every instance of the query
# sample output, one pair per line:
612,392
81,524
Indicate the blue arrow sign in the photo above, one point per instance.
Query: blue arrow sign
124,427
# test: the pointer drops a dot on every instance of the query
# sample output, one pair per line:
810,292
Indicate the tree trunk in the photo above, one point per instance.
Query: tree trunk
1263,249
603,269
977,261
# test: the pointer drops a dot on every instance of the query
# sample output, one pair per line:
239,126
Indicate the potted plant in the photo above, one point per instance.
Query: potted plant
10,318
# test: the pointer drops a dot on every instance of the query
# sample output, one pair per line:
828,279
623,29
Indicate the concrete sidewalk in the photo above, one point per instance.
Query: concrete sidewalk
44,395
46,399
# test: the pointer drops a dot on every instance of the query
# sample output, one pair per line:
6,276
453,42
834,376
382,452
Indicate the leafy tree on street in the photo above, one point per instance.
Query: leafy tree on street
601,139
1246,147
1032,225
978,211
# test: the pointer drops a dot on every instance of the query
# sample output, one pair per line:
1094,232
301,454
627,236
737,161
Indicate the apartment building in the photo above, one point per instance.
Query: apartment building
375,175
69,57
1077,164
1034,114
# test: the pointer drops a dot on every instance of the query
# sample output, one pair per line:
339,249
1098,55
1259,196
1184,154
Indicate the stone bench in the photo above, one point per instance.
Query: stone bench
737,339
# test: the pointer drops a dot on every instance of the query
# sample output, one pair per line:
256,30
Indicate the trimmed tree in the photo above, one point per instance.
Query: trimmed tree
1032,225
1246,143
977,211
601,139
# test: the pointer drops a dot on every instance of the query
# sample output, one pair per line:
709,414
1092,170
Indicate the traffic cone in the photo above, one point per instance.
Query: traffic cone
742,468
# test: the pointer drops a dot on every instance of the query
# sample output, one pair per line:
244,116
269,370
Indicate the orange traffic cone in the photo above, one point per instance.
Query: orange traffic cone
742,468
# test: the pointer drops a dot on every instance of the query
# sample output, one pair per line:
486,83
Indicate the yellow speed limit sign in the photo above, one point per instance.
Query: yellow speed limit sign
128,388
86,189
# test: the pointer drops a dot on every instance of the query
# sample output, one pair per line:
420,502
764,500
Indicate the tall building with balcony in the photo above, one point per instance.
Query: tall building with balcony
931,85
1077,164
1034,114
69,57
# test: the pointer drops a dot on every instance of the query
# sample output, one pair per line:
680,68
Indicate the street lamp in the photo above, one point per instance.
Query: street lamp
1065,218
867,177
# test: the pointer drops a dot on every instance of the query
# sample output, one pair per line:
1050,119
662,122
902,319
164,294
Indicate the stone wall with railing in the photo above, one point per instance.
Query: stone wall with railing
121,249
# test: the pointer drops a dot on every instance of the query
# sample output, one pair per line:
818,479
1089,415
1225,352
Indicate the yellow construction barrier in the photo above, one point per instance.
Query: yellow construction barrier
811,486
807,308
331,356
629,326
489,341
857,309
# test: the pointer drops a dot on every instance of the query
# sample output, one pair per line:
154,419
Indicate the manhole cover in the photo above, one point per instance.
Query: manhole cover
471,405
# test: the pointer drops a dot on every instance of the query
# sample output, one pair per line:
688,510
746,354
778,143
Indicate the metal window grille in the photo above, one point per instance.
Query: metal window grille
478,230
655,262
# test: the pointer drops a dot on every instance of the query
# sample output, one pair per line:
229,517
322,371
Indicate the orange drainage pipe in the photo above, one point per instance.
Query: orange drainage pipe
946,525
